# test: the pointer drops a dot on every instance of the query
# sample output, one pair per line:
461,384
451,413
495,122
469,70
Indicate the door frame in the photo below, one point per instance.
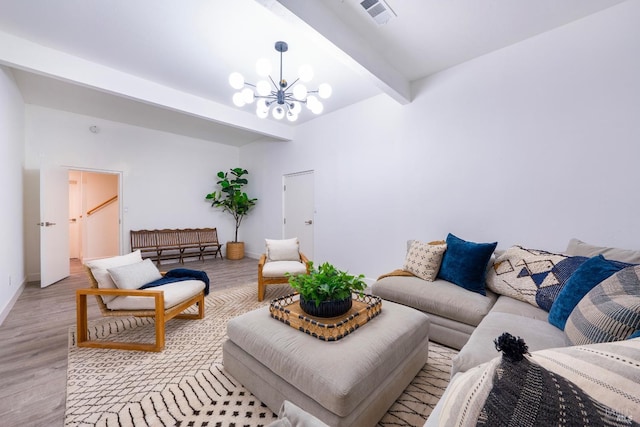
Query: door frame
121,209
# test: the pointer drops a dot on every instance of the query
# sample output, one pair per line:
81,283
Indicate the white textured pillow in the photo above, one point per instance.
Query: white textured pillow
283,250
134,276
99,269
424,259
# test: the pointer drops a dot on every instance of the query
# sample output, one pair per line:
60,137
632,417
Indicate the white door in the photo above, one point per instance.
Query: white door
54,224
299,209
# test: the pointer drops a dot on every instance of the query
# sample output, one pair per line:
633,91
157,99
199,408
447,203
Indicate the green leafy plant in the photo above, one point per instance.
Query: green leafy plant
326,283
231,198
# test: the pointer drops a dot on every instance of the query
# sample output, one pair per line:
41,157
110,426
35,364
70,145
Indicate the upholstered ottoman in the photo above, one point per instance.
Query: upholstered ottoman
349,382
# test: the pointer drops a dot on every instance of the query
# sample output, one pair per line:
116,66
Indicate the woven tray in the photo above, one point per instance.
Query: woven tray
287,310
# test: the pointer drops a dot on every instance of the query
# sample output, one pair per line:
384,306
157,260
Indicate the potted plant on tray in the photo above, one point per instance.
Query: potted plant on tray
326,291
232,199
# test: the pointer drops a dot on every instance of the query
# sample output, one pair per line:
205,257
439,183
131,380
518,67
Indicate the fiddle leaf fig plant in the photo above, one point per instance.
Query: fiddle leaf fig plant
231,198
326,283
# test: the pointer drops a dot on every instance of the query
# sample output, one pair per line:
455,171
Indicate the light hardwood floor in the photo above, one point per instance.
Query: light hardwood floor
34,339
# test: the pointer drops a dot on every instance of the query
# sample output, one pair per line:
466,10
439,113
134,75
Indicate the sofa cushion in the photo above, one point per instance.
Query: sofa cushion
279,268
580,248
439,297
609,312
509,305
99,269
174,293
424,259
531,275
283,250
134,276
465,263
585,278
538,334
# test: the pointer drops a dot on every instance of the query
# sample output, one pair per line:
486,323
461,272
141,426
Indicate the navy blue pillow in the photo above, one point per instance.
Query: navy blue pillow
586,277
465,263
636,334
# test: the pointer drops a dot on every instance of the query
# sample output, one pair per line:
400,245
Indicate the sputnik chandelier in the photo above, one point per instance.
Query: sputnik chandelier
281,98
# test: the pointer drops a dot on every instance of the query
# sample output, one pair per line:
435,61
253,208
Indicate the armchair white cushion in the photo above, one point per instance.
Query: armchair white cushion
174,294
279,268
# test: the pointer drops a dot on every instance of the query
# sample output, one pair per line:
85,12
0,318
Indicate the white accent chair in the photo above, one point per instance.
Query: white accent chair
115,282
281,257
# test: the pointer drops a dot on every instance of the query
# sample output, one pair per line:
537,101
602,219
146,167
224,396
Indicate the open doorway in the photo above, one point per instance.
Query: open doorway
94,215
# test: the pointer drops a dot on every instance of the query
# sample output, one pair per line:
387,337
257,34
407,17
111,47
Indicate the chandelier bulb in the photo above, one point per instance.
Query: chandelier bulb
324,90
311,101
262,112
263,88
247,95
238,99
236,80
278,113
295,108
317,108
299,91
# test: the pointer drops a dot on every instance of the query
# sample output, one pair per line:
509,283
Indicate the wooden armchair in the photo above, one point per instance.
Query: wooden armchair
162,307
282,257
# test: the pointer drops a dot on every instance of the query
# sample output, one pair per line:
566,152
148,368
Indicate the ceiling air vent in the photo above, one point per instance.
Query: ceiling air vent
378,10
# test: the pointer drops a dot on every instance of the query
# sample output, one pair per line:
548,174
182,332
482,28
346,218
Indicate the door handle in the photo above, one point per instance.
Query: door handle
46,224
308,222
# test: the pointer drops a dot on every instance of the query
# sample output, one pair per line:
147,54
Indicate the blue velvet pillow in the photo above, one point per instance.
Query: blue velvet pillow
465,263
586,277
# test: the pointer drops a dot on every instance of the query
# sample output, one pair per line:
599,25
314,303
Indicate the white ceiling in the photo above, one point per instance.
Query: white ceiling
191,46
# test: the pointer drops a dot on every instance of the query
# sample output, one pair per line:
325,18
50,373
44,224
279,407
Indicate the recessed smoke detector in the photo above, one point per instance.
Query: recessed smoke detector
379,10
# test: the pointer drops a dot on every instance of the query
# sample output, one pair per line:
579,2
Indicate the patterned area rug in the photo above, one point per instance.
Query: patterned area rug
187,385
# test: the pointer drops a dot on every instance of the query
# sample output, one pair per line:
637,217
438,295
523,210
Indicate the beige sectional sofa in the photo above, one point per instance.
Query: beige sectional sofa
470,322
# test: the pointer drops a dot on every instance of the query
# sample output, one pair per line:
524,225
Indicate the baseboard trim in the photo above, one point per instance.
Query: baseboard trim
7,308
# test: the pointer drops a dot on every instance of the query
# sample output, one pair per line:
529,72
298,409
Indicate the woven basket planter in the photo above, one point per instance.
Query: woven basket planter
235,250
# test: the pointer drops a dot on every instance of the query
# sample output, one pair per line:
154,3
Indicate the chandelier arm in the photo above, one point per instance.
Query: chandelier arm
273,83
290,97
294,82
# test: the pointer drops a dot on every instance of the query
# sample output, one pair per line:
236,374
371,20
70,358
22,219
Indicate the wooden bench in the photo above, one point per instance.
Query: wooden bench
177,244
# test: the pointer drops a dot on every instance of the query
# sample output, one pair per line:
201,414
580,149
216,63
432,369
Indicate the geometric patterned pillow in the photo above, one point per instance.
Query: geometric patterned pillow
424,259
546,296
528,275
609,312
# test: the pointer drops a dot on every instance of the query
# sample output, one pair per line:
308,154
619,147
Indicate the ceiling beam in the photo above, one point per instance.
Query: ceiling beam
354,51
28,56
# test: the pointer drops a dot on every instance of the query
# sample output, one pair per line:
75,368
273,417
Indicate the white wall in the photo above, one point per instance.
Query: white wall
532,145
12,270
165,176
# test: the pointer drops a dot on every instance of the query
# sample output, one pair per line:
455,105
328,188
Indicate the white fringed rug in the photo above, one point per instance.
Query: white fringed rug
186,384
